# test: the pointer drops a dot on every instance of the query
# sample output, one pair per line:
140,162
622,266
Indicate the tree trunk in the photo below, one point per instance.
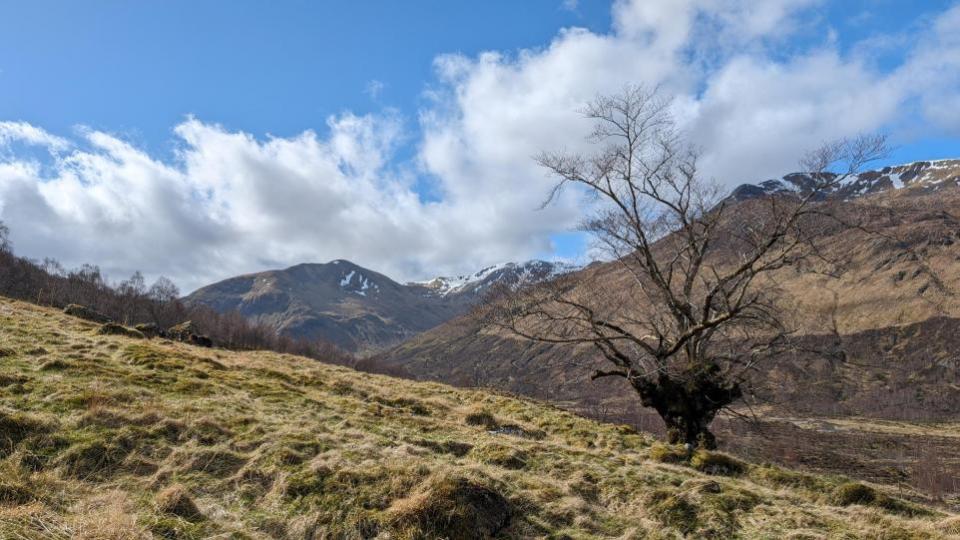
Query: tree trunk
688,404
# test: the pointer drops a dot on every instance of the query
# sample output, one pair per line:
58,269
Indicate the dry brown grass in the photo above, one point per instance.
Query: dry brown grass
126,438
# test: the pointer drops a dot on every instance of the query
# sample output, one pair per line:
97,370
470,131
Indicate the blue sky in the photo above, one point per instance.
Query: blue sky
138,68
398,134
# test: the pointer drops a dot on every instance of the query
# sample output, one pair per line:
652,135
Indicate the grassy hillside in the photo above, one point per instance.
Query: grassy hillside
106,436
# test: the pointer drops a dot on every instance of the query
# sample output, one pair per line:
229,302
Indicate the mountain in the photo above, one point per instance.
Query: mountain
357,308
918,178
110,437
896,309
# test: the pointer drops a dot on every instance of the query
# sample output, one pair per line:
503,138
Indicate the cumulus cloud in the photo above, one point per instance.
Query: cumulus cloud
229,202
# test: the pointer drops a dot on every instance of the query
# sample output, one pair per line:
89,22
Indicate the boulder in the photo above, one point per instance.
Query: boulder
185,332
151,330
83,312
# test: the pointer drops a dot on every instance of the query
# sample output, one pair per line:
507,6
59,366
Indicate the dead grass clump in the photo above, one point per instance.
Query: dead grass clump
777,477
6,351
449,506
481,418
110,516
148,356
584,485
673,509
99,416
500,455
216,462
15,488
168,429
716,463
458,449
96,459
15,427
851,493
950,525
114,329
55,365
176,500
306,483
208,432
665,453
39,449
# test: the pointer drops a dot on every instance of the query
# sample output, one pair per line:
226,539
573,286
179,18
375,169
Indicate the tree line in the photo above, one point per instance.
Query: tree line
132,302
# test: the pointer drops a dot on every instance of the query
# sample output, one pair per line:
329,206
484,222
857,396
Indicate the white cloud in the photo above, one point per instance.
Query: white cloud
230,202
26,133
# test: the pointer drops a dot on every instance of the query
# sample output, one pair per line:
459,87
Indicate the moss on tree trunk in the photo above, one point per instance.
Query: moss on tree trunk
688,404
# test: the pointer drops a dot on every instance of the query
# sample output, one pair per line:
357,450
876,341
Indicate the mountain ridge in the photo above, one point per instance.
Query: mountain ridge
357,308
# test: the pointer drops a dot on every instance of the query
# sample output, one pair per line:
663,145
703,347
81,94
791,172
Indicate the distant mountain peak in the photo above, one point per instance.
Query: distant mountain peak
358,308
511,273
917,177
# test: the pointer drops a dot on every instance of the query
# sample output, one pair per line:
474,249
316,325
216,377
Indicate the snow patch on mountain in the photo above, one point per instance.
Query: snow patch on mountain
920,176
363,283
513,274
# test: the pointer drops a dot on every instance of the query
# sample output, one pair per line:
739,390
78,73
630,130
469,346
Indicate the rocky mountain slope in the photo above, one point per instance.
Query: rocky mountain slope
356,308
921,177
109,437
896,309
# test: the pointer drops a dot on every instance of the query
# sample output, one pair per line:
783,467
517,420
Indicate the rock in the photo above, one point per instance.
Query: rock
185,332
151,330
83,312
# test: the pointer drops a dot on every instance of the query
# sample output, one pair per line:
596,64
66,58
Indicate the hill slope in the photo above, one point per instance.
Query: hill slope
357,308
110,437
897,312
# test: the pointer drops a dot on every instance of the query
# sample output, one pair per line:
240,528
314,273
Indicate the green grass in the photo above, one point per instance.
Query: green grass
112,436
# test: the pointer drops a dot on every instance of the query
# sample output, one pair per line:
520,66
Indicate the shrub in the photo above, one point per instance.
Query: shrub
176,500
446,506
717,463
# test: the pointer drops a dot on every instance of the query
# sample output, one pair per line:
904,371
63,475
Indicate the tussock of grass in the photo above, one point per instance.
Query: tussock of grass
717,463
500,455
124,438
856,493
176,500
114,329
666,453
481,418
446,506
15,427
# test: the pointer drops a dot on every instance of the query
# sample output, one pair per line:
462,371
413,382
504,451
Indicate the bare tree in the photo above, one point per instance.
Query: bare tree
697,309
